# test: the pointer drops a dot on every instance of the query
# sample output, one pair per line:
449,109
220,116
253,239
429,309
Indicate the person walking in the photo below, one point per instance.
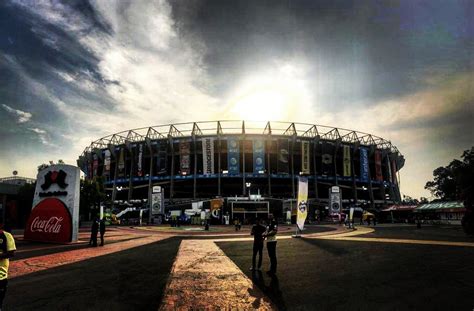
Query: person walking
8,248
270,235
94,230
257,231
102,231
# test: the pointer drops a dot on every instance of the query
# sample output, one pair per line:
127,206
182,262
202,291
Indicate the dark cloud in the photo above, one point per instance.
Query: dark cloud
389,44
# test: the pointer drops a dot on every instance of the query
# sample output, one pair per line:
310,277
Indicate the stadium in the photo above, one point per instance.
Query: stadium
253,164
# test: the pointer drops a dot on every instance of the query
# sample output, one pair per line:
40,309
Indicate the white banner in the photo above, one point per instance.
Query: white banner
302,211
207,156
335,200
157,206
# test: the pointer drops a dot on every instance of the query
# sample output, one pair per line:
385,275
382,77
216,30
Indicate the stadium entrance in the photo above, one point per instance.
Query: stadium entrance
249,211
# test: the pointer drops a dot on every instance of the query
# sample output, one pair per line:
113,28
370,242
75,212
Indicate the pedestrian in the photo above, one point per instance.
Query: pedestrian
102,231
8,248
236,224
257,231
270,235
94,230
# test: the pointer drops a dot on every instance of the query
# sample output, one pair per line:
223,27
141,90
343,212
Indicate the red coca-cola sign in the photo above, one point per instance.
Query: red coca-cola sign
49,221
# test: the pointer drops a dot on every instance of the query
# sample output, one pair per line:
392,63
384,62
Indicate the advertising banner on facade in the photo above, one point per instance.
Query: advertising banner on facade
389,170
161,157
327,159
347,161
55,213
157,206
107,161
121,163
394,172
378,165
364,164
302,211
283,156
95,164
216,205
258,156
184,157
305,163
233,156
139,160
208,156
335,202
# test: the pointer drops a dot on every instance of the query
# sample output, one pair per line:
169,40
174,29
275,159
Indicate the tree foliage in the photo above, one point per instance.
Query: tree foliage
92,194
455,181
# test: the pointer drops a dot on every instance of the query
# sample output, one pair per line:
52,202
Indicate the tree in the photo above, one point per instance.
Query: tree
25,201
455,182
92,194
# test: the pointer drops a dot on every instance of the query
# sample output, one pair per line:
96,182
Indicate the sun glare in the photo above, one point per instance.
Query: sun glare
280,96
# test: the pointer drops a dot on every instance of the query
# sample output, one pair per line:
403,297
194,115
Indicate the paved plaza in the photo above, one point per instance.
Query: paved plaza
388,267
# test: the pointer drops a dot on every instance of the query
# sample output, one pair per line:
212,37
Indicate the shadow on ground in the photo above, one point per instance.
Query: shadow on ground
344,275
133,279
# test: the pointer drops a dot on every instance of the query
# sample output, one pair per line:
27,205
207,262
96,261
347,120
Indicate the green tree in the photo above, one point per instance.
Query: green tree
455,182
25,202
92,195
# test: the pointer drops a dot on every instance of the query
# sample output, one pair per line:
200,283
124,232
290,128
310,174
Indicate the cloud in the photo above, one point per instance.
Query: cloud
21,116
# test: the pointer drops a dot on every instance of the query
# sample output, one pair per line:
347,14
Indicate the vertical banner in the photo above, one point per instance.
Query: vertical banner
121,163
327,159
305,166
302,211
378,165
394,172
335,200
389,170
95,164
208,156
107,161
184,157
283,153
347,161
216,205
139,160
258,156
157,206
364,164
233,156
161,157
91,170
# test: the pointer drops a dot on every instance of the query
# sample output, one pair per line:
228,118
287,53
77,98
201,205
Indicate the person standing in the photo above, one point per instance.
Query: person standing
270,235
257,231
102,231
8,248
94,229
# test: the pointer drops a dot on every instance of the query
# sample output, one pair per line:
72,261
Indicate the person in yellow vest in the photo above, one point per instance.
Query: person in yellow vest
8,248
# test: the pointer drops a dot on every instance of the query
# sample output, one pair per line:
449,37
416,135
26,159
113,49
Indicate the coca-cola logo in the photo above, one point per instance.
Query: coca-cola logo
49,221
51,225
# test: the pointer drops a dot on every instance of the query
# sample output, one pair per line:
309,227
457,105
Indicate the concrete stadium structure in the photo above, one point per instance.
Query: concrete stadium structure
199,161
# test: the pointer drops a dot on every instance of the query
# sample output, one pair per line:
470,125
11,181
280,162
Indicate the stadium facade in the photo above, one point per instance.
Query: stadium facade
199,161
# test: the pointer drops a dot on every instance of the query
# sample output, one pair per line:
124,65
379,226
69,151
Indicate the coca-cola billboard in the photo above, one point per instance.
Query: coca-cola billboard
55,213
49,221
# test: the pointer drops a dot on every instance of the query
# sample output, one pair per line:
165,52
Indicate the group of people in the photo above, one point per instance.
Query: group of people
261,233
97,226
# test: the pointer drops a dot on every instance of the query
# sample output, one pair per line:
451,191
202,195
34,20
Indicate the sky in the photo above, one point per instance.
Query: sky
74,71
